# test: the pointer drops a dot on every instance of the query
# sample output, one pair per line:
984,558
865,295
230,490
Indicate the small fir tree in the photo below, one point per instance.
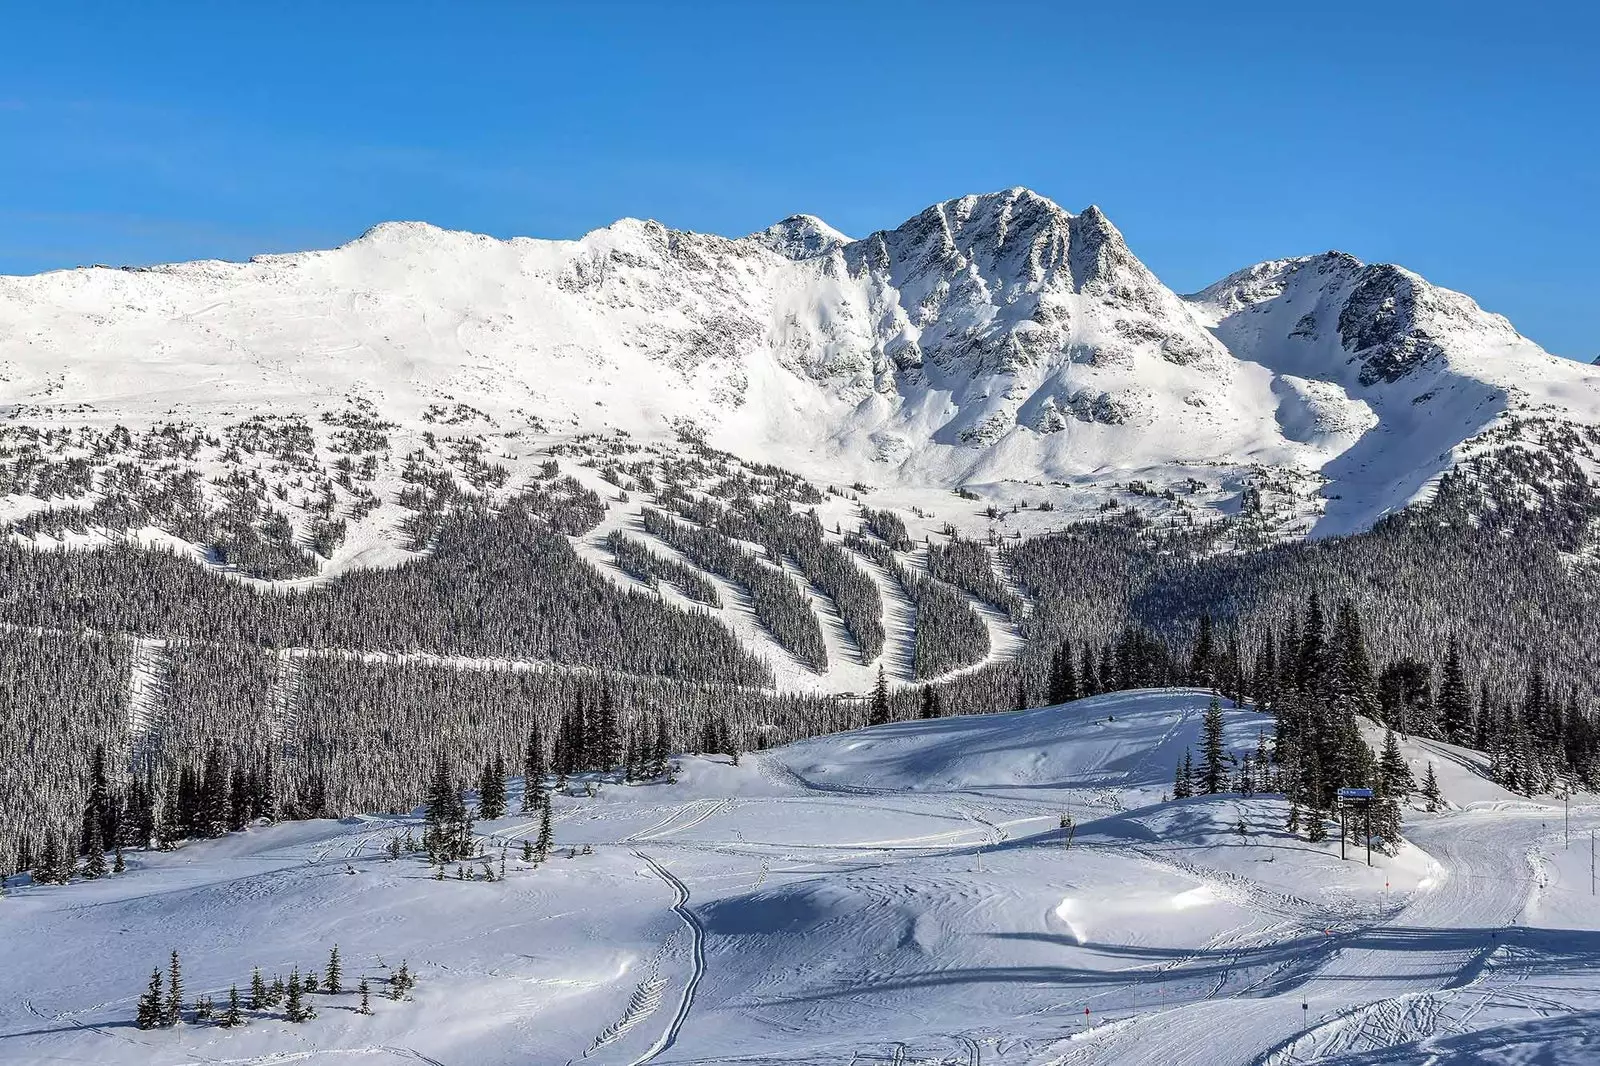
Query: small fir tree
152,1009
232,1016
1430,790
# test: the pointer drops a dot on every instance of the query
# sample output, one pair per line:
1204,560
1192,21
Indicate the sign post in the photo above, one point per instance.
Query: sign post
1359,799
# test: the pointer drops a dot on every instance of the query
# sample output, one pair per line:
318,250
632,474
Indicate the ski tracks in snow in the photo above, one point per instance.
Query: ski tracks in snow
697,955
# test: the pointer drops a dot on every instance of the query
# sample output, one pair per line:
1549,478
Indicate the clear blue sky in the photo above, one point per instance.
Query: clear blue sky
1460,139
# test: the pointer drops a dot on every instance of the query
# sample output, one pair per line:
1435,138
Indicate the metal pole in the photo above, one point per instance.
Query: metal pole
1566,820
1343,830
1369,832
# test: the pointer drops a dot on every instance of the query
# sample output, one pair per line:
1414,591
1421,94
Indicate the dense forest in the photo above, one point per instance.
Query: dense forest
148,699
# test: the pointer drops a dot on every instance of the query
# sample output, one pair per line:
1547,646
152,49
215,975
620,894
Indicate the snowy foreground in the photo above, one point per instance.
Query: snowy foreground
897,895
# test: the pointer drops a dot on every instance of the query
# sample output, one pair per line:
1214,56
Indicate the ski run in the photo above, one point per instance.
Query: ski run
899,894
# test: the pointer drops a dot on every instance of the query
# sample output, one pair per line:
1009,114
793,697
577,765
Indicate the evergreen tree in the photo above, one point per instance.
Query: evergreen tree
440,808
533,770
259,996
1354,682
366,1002
1430,790
232,1016
492,790
1088,676
118,865
1063,675
1183,778
152,1009
295,1009
1309,670
546,838
1214,774
1393,770
1455,699
880,701
334,973
1202,663
930,703
94,864
608,733
47,867
174,1005
662,752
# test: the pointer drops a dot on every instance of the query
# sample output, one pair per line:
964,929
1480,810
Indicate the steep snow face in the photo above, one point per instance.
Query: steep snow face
1402,374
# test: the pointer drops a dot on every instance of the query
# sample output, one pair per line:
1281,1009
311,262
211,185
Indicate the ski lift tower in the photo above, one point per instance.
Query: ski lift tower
1360,801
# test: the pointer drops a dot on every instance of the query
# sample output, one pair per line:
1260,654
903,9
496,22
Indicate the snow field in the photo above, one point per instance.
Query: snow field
901,893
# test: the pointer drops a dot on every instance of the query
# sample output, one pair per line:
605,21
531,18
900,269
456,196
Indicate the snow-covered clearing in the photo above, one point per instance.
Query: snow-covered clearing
902,894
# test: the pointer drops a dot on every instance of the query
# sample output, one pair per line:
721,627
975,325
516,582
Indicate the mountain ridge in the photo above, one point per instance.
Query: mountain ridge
992,338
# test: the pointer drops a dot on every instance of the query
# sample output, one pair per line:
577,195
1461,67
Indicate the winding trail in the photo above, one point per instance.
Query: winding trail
697,934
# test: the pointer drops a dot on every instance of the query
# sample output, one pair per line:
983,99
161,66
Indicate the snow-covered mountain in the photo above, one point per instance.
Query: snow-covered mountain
994,338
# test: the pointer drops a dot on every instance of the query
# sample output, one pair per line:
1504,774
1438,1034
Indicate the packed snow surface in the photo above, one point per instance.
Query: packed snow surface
900,894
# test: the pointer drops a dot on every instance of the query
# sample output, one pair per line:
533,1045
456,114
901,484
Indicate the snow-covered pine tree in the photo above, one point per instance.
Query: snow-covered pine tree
366,998
334,972
232,1016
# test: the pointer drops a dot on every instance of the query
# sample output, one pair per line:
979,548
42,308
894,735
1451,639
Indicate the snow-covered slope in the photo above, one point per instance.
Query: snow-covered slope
1389,373
900,894
994,339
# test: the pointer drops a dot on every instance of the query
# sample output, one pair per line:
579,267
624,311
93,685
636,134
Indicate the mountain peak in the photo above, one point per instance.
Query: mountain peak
800,237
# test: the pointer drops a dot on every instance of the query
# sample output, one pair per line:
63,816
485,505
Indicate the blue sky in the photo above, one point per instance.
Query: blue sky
1459,139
